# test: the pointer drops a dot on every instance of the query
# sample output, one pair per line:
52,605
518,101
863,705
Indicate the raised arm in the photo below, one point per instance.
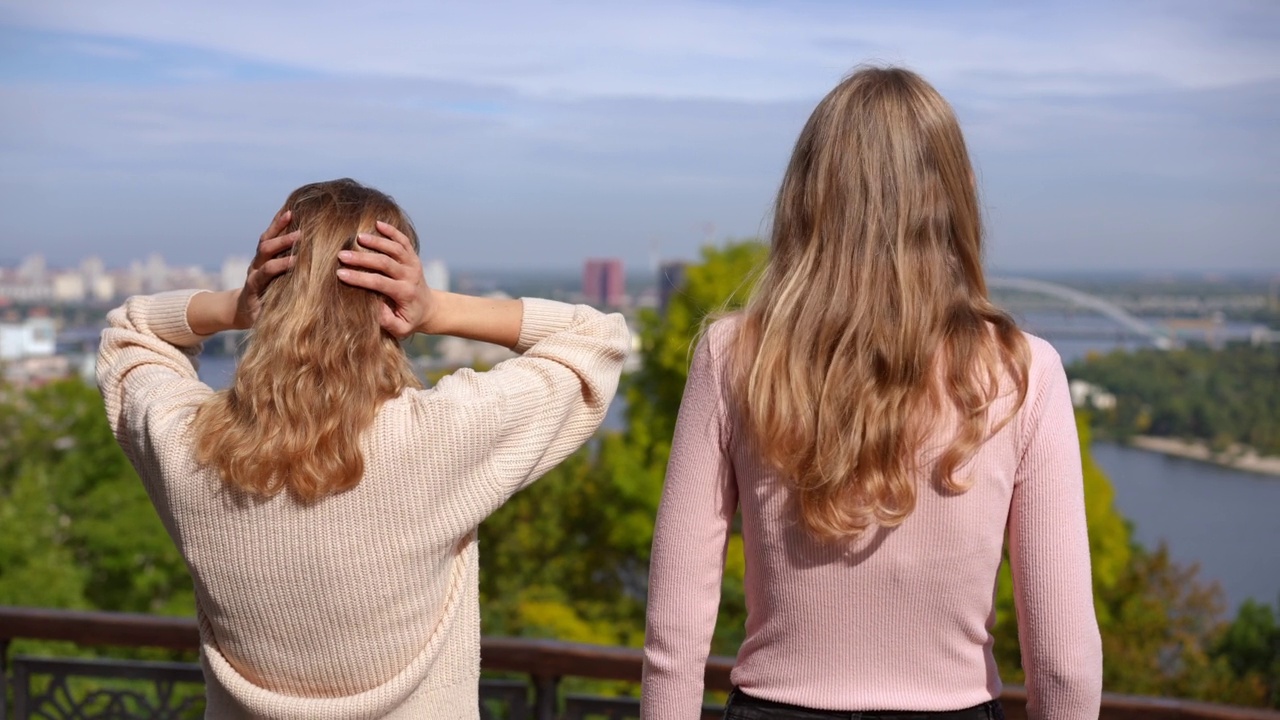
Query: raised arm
1049,555
699,500
145,364
524,416
392,268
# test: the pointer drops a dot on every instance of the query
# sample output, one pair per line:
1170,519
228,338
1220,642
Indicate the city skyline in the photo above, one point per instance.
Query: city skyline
436,268
1135,138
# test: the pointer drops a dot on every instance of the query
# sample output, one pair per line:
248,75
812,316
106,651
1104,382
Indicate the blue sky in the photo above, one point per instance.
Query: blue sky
1135,136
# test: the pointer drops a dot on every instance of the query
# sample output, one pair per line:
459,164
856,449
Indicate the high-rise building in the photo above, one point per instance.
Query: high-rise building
234,270
603,283
436,275
670,282
33,269
69,287
155,274
92,268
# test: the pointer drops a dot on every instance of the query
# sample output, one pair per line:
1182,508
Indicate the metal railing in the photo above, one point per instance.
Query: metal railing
63,687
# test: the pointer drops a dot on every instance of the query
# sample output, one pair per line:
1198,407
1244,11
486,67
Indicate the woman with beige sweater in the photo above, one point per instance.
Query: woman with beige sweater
325,503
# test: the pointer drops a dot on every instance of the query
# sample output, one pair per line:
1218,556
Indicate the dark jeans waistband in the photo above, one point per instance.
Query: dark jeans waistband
742,706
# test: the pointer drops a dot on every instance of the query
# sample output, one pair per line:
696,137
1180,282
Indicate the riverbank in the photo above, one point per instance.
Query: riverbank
1218,517
1236,458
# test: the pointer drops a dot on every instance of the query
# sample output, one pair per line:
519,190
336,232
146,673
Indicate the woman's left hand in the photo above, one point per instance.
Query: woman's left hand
394,270
265,268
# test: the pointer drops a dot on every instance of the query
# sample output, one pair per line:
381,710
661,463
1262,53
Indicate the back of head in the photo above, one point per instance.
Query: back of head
317,366
874,286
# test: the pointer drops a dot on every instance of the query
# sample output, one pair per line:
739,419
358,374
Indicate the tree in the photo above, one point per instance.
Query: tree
1251,647
1218,397
569,556
76,515
720,284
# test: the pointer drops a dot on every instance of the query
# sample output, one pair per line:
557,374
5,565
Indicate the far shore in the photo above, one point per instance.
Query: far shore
1237,458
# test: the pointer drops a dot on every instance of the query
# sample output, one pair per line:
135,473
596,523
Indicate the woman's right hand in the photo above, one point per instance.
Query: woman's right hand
394,271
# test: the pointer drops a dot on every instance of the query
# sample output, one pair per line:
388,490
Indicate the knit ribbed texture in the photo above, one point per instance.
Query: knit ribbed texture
898,619
365,604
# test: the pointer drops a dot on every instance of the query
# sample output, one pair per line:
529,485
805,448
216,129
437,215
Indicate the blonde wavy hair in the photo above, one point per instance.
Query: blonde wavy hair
317,366
870,329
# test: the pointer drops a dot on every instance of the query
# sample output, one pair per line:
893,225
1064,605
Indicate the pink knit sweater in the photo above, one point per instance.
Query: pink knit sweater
899,619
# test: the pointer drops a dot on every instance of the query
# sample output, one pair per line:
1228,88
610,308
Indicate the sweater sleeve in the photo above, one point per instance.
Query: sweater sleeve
1049,555
527,414
146,372
699,500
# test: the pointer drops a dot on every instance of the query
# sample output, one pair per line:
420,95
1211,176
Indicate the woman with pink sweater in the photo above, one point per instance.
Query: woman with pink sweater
325,503
881,426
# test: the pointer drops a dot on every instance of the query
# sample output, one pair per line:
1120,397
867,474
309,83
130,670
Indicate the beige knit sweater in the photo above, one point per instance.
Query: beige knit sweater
364,605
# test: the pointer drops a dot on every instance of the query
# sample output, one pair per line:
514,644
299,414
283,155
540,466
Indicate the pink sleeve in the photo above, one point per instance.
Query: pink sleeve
1049,554
699,500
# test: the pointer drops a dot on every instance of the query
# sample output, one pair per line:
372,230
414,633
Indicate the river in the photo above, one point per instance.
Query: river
1227,521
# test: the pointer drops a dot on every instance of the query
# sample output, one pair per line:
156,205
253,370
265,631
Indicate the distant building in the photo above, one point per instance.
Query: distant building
33,338
670,281
28,352
1087,395
129,280
603,283
234,270
103,288
33,269
436,275
155,275
15,289
68,287
98,285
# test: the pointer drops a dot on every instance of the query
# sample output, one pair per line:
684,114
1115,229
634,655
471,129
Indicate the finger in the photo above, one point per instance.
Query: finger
278,223
369,281
385,246
277,266
262,276
394,233
376,262
271,247
393,324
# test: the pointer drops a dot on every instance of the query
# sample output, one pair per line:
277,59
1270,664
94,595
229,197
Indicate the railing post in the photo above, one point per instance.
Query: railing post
545,691
20,685
4,678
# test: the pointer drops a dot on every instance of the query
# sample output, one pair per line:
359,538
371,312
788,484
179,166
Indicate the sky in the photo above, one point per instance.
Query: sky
1136,136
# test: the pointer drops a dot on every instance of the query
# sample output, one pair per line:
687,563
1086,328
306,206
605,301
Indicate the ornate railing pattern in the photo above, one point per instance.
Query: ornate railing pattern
110,689
64,688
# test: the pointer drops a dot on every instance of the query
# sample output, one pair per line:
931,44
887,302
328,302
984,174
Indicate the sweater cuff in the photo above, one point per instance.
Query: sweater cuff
541,319
167,318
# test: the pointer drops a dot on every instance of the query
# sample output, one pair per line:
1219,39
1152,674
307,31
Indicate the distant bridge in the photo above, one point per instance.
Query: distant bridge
1121,316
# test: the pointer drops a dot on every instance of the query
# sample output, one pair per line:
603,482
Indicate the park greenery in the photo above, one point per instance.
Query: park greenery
1223,397
568,557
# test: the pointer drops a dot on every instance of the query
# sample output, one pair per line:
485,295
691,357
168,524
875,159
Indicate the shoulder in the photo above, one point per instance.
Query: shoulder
1041,350
713,346
1045,362
720,334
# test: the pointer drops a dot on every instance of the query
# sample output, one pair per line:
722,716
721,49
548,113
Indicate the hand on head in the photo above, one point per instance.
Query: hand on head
394,271
265,268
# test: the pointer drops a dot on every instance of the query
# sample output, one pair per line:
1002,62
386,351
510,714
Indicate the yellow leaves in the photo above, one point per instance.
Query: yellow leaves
554,619
735,561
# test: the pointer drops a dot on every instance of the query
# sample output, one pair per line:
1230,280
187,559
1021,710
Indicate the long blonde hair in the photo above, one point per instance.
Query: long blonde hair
870,327
317,366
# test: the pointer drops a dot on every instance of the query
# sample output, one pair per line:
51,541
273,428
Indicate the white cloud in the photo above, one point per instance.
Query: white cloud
536,136
707,49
